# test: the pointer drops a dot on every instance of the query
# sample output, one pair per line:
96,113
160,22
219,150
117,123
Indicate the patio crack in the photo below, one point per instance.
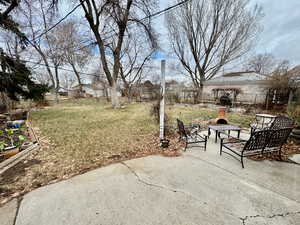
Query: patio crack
157,185
160,186
163,187
244,219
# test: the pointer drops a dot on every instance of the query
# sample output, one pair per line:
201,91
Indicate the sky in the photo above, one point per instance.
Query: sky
281,27
281,33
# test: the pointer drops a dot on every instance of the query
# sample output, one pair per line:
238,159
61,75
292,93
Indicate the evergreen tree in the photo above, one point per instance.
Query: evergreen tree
15,78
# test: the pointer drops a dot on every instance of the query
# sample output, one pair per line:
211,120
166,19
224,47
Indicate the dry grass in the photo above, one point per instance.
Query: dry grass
79,135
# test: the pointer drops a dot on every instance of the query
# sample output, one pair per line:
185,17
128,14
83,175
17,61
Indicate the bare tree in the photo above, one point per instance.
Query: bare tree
263,64
283,82
34,18
134,59
72,44
206,35
110,22
282,77
56,56
67,81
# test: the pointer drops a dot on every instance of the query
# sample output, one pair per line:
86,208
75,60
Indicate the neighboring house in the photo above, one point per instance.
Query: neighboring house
92,90
174,91
240,87
149,91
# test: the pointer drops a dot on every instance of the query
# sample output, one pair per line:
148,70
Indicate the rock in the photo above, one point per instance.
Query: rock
295,158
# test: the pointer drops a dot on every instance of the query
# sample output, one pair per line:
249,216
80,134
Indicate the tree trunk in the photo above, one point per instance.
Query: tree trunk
114,96
129,95
199,94
78,78
46,65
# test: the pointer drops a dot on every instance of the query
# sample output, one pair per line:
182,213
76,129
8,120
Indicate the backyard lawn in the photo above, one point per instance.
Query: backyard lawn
79,135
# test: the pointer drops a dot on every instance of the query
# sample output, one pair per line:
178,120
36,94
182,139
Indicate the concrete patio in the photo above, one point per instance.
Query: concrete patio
197,188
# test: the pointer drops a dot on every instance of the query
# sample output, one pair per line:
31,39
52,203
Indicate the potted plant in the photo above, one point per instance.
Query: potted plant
10,142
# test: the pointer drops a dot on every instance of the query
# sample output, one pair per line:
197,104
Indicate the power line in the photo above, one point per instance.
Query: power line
166,9
156,14
77,6
57,23
159,13
60,68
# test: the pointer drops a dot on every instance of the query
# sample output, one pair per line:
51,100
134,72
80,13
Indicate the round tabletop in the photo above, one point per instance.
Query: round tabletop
265,115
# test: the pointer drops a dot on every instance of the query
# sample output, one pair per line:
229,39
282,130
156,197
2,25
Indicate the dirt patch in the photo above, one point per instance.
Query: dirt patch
10,175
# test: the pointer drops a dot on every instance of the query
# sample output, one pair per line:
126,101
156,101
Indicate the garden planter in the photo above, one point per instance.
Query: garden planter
10,151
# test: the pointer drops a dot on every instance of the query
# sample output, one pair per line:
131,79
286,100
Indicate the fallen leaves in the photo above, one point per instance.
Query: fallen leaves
287,150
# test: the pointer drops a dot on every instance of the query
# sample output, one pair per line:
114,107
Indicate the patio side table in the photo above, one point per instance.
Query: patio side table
219,128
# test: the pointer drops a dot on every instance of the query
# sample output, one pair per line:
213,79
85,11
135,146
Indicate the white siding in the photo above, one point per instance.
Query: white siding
251,93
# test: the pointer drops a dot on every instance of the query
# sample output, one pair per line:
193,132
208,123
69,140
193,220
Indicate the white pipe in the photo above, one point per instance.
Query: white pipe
162,101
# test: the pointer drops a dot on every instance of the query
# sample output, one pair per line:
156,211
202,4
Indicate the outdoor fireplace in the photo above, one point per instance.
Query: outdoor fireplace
221,119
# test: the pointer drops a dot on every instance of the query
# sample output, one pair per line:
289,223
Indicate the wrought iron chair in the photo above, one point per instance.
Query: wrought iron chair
190,136
260,142
276,140
279,122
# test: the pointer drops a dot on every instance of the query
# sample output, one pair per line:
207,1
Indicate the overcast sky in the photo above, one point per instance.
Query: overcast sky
281,28
280,35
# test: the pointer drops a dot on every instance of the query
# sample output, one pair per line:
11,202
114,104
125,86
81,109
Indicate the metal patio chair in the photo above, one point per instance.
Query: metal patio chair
191,135
260,142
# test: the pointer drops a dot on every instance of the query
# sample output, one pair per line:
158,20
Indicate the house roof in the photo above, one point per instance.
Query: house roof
237,78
